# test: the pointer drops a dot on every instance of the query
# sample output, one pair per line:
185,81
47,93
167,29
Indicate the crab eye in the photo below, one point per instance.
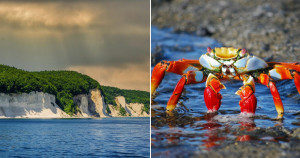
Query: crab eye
208,50
243,52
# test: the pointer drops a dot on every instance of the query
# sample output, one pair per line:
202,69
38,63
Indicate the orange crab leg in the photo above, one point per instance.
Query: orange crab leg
297,81
191,77
277,100
178,67
176,94
265,80
282,71
293,66
158,74
212,97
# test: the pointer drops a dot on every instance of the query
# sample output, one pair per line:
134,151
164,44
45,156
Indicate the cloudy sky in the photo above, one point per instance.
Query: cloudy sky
105,39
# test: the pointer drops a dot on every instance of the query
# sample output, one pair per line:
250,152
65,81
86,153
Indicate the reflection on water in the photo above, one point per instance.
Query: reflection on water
191,129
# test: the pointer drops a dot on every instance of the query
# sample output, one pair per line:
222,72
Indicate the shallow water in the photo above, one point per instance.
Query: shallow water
107,137
191,129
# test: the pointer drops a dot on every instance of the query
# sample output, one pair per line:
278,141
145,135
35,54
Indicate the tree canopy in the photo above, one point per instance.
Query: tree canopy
64,85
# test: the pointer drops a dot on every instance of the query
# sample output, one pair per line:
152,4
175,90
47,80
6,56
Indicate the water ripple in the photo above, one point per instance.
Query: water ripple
109,137
191,128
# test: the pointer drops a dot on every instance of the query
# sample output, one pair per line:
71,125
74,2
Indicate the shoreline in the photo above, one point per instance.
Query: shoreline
43,105
3,118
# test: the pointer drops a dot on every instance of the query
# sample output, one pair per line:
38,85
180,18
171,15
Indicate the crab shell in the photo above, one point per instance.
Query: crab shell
231,61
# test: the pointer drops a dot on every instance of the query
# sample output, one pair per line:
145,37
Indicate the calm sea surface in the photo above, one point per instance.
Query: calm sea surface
107,137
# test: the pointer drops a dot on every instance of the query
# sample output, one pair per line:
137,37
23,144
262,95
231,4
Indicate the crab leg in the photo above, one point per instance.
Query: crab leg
297,81
191,77
285,71
212,97
179,67
246,92
265,80
158,74
277,100
176,94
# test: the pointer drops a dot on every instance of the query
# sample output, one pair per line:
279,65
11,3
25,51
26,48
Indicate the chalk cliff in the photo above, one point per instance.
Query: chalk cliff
92,104
132,109
43,105
62,94
31,105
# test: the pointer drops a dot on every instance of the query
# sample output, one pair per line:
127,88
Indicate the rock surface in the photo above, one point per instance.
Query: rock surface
91,105
42,105
269,29
32,105
273,142
132,109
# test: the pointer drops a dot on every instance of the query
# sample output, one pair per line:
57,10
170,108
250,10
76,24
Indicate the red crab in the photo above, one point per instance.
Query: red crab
227,64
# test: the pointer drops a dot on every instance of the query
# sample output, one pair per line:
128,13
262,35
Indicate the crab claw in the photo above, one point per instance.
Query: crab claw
246,92
212,97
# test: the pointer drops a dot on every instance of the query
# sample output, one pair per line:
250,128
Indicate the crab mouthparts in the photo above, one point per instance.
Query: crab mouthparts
228,70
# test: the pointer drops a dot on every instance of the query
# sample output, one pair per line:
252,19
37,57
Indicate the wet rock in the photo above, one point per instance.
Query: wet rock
157,55
296,133
263,27
262,149
158,2
269,58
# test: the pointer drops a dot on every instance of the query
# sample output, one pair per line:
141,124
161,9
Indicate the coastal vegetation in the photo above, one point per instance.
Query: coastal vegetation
131,96
64,85
122,111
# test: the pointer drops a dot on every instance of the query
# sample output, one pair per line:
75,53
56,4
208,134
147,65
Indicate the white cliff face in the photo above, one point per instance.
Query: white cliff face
91,105
42,105
115,110
30,105
100,105
82,102
132,109
136,110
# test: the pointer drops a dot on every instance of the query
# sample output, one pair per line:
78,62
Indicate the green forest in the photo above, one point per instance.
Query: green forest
64,85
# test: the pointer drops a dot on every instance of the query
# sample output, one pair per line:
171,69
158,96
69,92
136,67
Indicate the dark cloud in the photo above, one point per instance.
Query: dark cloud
39,35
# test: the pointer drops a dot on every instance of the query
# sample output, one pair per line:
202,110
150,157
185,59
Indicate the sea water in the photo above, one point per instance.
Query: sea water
195,130
107,137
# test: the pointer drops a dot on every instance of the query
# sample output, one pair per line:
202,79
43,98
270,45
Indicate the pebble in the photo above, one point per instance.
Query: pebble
264,27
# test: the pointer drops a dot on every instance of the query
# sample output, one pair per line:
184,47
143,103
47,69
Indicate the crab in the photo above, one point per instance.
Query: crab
227,63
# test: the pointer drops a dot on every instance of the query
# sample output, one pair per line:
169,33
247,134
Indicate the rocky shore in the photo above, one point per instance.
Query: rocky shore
269,29
227,140
258,142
